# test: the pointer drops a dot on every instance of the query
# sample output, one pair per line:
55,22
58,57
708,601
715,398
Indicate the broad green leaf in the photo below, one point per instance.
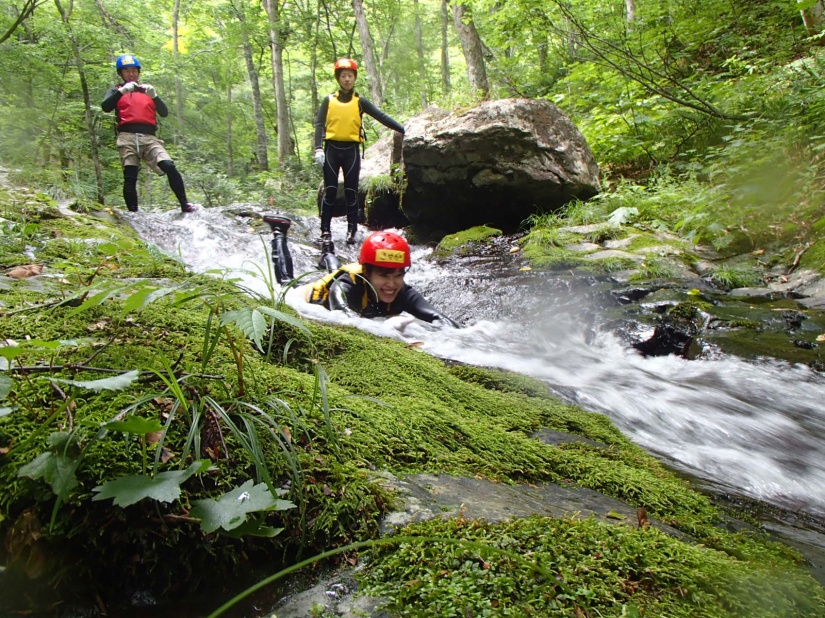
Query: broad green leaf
5,386
253,527
230,510
115,383
11,352
135,424
56,470
623,215
289,319
98,299
143,297
163,487
250,321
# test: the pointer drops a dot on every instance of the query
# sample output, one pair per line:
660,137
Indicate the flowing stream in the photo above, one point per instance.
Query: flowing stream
752,430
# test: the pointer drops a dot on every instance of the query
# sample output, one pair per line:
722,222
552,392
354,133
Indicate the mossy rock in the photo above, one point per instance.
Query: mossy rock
461,242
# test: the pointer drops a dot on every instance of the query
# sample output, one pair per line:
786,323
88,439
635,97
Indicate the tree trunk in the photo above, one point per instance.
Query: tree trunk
281,107
813,18
24,12
445,49
87,104
472,48
369,56
230,155
178,83
262,156
419,48
630,11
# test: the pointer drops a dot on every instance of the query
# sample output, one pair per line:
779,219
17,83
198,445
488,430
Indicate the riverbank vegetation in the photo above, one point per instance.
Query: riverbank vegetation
153,422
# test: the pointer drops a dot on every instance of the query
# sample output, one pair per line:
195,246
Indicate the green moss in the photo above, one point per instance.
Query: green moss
548,567
345,403
459,241
814,257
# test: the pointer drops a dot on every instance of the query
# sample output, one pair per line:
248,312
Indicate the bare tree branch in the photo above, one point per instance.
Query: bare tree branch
25,12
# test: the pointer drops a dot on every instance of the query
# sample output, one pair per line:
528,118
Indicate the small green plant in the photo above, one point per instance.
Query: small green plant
731,277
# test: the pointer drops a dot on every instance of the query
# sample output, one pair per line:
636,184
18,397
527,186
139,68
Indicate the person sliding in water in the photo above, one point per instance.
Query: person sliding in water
372,287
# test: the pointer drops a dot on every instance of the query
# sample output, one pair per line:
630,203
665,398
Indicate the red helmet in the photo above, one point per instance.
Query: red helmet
346,63
385,250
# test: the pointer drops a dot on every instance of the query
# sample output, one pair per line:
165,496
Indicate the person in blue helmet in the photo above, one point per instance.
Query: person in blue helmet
338,137
136,108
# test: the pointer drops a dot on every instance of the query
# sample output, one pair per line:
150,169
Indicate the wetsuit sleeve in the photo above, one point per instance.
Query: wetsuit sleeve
416,305
160,107
321,123
110,99
342,294
371,110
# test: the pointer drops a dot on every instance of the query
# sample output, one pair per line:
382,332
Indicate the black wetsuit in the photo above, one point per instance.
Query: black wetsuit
347,290
344,155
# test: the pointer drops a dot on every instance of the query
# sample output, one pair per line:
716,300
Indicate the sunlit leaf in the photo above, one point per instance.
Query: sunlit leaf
250,321
623,215
5,386
285,317
163,487
135,424
144,297
230,510
115,383
98,299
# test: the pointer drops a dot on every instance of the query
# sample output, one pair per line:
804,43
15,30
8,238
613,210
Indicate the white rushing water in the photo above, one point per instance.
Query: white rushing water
748,428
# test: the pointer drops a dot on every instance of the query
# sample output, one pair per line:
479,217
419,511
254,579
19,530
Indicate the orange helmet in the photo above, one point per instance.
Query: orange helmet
385,250
346,63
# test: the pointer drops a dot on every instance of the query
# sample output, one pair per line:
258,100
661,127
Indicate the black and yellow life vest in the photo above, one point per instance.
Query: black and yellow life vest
344,119
318,291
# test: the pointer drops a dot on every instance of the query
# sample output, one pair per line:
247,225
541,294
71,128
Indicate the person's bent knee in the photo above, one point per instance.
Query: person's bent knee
167,166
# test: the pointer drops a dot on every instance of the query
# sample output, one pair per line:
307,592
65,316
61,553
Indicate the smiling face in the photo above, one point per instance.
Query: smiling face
387,282
346,79
129,74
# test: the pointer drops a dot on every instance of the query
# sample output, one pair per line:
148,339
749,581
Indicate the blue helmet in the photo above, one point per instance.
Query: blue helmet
127,60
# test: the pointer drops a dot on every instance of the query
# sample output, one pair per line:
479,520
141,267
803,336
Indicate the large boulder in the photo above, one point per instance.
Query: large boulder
495,164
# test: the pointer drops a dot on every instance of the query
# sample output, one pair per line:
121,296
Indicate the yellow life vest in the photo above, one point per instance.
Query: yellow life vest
344,119
318,291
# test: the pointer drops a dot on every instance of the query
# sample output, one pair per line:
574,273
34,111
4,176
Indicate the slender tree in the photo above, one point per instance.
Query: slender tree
419,50
65,16
812,16
371,66
281,106
473,49
178,83
21,15
445,49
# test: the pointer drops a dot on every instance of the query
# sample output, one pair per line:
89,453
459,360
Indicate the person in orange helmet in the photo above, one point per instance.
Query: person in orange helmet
338,135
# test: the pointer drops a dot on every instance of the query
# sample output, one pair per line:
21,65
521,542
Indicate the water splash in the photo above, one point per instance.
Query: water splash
753,429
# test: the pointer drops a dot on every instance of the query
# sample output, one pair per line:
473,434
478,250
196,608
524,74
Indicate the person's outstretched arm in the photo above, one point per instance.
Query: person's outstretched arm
369,108
416,305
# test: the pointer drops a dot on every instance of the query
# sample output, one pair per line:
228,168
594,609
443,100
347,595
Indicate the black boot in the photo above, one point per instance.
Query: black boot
328,260
351,229
281,257
278,223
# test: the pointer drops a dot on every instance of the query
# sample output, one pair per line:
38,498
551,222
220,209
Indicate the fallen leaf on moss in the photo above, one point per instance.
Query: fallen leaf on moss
24,272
